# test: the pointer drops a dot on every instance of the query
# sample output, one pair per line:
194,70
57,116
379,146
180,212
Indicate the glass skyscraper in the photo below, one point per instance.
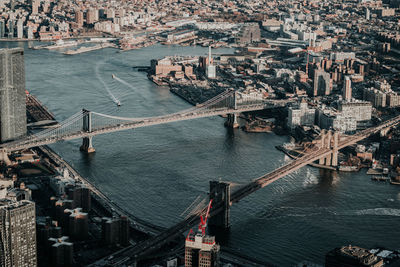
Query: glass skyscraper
12,94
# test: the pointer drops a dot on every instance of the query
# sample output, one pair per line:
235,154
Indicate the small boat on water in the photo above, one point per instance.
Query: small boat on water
113,76
118,103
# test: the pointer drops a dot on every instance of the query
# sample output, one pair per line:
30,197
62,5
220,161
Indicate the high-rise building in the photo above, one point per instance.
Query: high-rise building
20,29
211,70
367,14
76,223
201,251
92,16
115,231
35,6
12,94
17,233
2,28
61,251
79,17
322,83
10,27
347,88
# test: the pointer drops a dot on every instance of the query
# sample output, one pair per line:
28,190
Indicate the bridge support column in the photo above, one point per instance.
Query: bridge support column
334,162
231,121
330,140
323,137
220,193
87,143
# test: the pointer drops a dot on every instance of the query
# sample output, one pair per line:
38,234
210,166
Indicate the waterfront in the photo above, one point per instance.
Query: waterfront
156,172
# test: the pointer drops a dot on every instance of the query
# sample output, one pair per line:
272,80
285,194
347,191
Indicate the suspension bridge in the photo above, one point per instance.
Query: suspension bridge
85,124
323,148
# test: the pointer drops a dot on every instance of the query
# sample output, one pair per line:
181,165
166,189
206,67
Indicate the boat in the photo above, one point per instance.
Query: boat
346,168
395,183
118,103
380,178
113,76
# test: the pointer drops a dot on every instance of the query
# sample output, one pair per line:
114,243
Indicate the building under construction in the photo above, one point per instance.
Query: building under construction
201,250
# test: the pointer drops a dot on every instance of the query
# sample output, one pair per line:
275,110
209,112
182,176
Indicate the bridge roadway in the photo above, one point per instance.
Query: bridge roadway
128,254
132,124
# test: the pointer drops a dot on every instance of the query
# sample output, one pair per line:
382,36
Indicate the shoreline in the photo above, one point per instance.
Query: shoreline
136,224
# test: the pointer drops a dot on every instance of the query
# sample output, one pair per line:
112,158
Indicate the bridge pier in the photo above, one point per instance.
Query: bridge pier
335,151
87,145
321,161
87,142
330,139
231,121
220,193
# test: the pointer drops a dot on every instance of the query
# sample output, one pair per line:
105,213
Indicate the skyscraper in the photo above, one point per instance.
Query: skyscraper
17,233
347,88
12,94
322,84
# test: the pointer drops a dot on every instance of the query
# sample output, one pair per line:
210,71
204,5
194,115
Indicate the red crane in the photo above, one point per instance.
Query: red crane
203,222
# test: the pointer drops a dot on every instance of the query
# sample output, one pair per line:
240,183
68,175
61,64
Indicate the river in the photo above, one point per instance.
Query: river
158,171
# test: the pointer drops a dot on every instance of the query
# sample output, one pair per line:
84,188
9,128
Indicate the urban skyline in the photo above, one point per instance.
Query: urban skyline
307,88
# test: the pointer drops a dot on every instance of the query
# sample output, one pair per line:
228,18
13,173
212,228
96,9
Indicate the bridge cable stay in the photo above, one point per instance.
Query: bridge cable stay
190,206
73,127
49,132
203,106
66,123
74,123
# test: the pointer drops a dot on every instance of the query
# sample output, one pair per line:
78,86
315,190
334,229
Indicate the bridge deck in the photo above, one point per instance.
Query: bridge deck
158,241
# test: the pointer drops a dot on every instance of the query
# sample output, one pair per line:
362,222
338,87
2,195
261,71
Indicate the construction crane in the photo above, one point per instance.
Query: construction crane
203,223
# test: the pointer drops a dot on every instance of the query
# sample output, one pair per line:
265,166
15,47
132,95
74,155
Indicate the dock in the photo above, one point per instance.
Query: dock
38,115
88,49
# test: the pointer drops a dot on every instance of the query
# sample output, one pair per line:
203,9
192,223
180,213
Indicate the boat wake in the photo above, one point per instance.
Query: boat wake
113,98
123,82
379,212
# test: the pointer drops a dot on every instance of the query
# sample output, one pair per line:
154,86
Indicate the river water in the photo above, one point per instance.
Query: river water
158,171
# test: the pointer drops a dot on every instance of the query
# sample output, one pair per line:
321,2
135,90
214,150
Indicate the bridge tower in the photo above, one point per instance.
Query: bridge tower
330,139
87,145
231,120
220,193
